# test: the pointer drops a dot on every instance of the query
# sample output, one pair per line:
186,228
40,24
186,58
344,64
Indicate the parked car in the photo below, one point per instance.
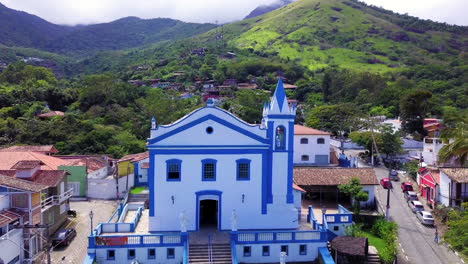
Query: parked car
386,183
393,175
63,237
71,213
406,186
425,217
415,206
410,196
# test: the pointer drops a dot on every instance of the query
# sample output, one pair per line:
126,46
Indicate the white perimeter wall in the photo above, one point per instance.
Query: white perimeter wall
106,188
275,249
98,174
141,256
311,149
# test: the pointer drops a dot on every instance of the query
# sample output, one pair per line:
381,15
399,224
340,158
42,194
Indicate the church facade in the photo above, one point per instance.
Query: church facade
210,166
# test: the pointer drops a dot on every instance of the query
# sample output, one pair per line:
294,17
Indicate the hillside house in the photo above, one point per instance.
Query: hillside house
51,114
453,186
43,149
311,146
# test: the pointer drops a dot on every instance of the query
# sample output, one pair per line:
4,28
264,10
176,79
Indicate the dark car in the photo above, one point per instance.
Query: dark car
386,183
406,187
63,237
393,175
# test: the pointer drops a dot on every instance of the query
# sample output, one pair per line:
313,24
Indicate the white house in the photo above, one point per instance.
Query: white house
453,188
311,146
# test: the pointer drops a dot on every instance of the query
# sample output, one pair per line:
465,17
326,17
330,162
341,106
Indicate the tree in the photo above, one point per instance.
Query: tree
354,190
337,119
413,108
364,139
390,141
456,134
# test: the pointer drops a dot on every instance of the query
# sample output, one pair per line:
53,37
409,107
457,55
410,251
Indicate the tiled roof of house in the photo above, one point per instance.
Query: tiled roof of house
10,158
7,217
302,130
459,175
27,164
295,187
44,149
50,178
351,246
20,184
91,163
135,157
289,86
145,165
304,176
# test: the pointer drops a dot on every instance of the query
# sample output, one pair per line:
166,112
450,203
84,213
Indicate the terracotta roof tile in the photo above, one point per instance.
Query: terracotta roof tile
459,175
304,176
52,114
354,246
145,165
44,149
19,184
50,178
135,157
7,217
91,163
10,158
302,130
27,164
295,187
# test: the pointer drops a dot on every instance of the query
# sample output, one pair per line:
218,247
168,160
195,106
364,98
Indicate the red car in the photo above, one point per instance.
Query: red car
386,183
406,187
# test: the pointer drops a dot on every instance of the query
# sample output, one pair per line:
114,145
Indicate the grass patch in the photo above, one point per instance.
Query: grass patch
137,190
375,241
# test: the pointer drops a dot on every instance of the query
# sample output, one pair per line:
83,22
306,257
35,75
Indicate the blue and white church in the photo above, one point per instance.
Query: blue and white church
211,164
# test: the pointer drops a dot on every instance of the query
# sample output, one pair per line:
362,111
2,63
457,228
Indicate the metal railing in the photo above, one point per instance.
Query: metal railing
210,250
249,237
56,199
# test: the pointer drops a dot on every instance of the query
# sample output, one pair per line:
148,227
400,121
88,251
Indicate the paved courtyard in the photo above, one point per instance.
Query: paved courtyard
76,251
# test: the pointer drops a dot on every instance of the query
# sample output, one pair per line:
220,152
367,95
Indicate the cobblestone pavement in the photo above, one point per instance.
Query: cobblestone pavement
76,251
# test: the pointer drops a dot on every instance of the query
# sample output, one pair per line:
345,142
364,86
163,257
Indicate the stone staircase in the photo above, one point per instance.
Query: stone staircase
138,198
198,253
372,256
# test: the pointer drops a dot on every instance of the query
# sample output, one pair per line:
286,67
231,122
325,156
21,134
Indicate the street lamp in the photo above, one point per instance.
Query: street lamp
91,218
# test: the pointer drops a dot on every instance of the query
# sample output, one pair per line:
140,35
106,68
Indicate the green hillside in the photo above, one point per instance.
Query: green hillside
348,34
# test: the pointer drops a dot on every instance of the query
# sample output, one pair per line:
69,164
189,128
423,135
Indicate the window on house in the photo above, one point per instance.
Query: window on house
304,141
320,141
266,251
302,249
110,254
247,251
173,169
209,170
336,228
280,138
170,253
131,254
284,248
305,157
151,253
243,169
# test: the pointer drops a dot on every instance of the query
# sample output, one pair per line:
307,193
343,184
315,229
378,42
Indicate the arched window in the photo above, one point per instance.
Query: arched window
305,157
304,141
280,138
320,141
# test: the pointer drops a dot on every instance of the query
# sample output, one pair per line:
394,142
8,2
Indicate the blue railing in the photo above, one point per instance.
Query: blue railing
233,251
185,251
258,237
339,218
325,257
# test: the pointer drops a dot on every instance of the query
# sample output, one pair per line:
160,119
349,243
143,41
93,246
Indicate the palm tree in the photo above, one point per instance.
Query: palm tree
457,137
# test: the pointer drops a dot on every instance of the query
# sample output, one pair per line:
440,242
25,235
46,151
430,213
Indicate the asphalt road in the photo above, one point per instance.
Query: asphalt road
415,240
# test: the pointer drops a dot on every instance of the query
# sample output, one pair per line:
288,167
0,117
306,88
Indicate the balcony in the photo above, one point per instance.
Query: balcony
56,199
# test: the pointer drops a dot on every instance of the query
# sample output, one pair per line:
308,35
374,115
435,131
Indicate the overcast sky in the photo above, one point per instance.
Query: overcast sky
73,12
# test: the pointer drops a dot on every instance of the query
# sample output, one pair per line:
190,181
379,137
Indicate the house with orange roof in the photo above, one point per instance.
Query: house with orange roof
311,146
43,149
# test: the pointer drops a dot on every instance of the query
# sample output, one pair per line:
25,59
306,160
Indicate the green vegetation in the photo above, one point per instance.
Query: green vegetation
457,233
137,190
375,241
354,190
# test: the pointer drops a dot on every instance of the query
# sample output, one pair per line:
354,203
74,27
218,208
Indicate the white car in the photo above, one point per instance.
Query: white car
410,196
425,217
415,206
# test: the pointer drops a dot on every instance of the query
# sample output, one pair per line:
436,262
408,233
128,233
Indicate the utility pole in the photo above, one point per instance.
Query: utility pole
387,209
38,226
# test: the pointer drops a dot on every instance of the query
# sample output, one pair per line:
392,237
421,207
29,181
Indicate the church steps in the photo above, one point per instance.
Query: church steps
199,253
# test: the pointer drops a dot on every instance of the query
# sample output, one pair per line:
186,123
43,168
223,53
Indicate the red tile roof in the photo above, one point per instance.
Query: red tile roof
289,86
44,149
302,130
91,163
50,178
10,158
20,184
145,165
135,157
295,187
305,176
27,164
7,217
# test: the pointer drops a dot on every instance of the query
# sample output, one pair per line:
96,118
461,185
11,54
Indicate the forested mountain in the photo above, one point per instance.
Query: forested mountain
263,9
25,30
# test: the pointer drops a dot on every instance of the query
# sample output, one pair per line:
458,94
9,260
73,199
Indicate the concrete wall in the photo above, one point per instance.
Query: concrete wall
77,175
4,202
141,255
311,149
275,249
11,245
106,188
98,174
